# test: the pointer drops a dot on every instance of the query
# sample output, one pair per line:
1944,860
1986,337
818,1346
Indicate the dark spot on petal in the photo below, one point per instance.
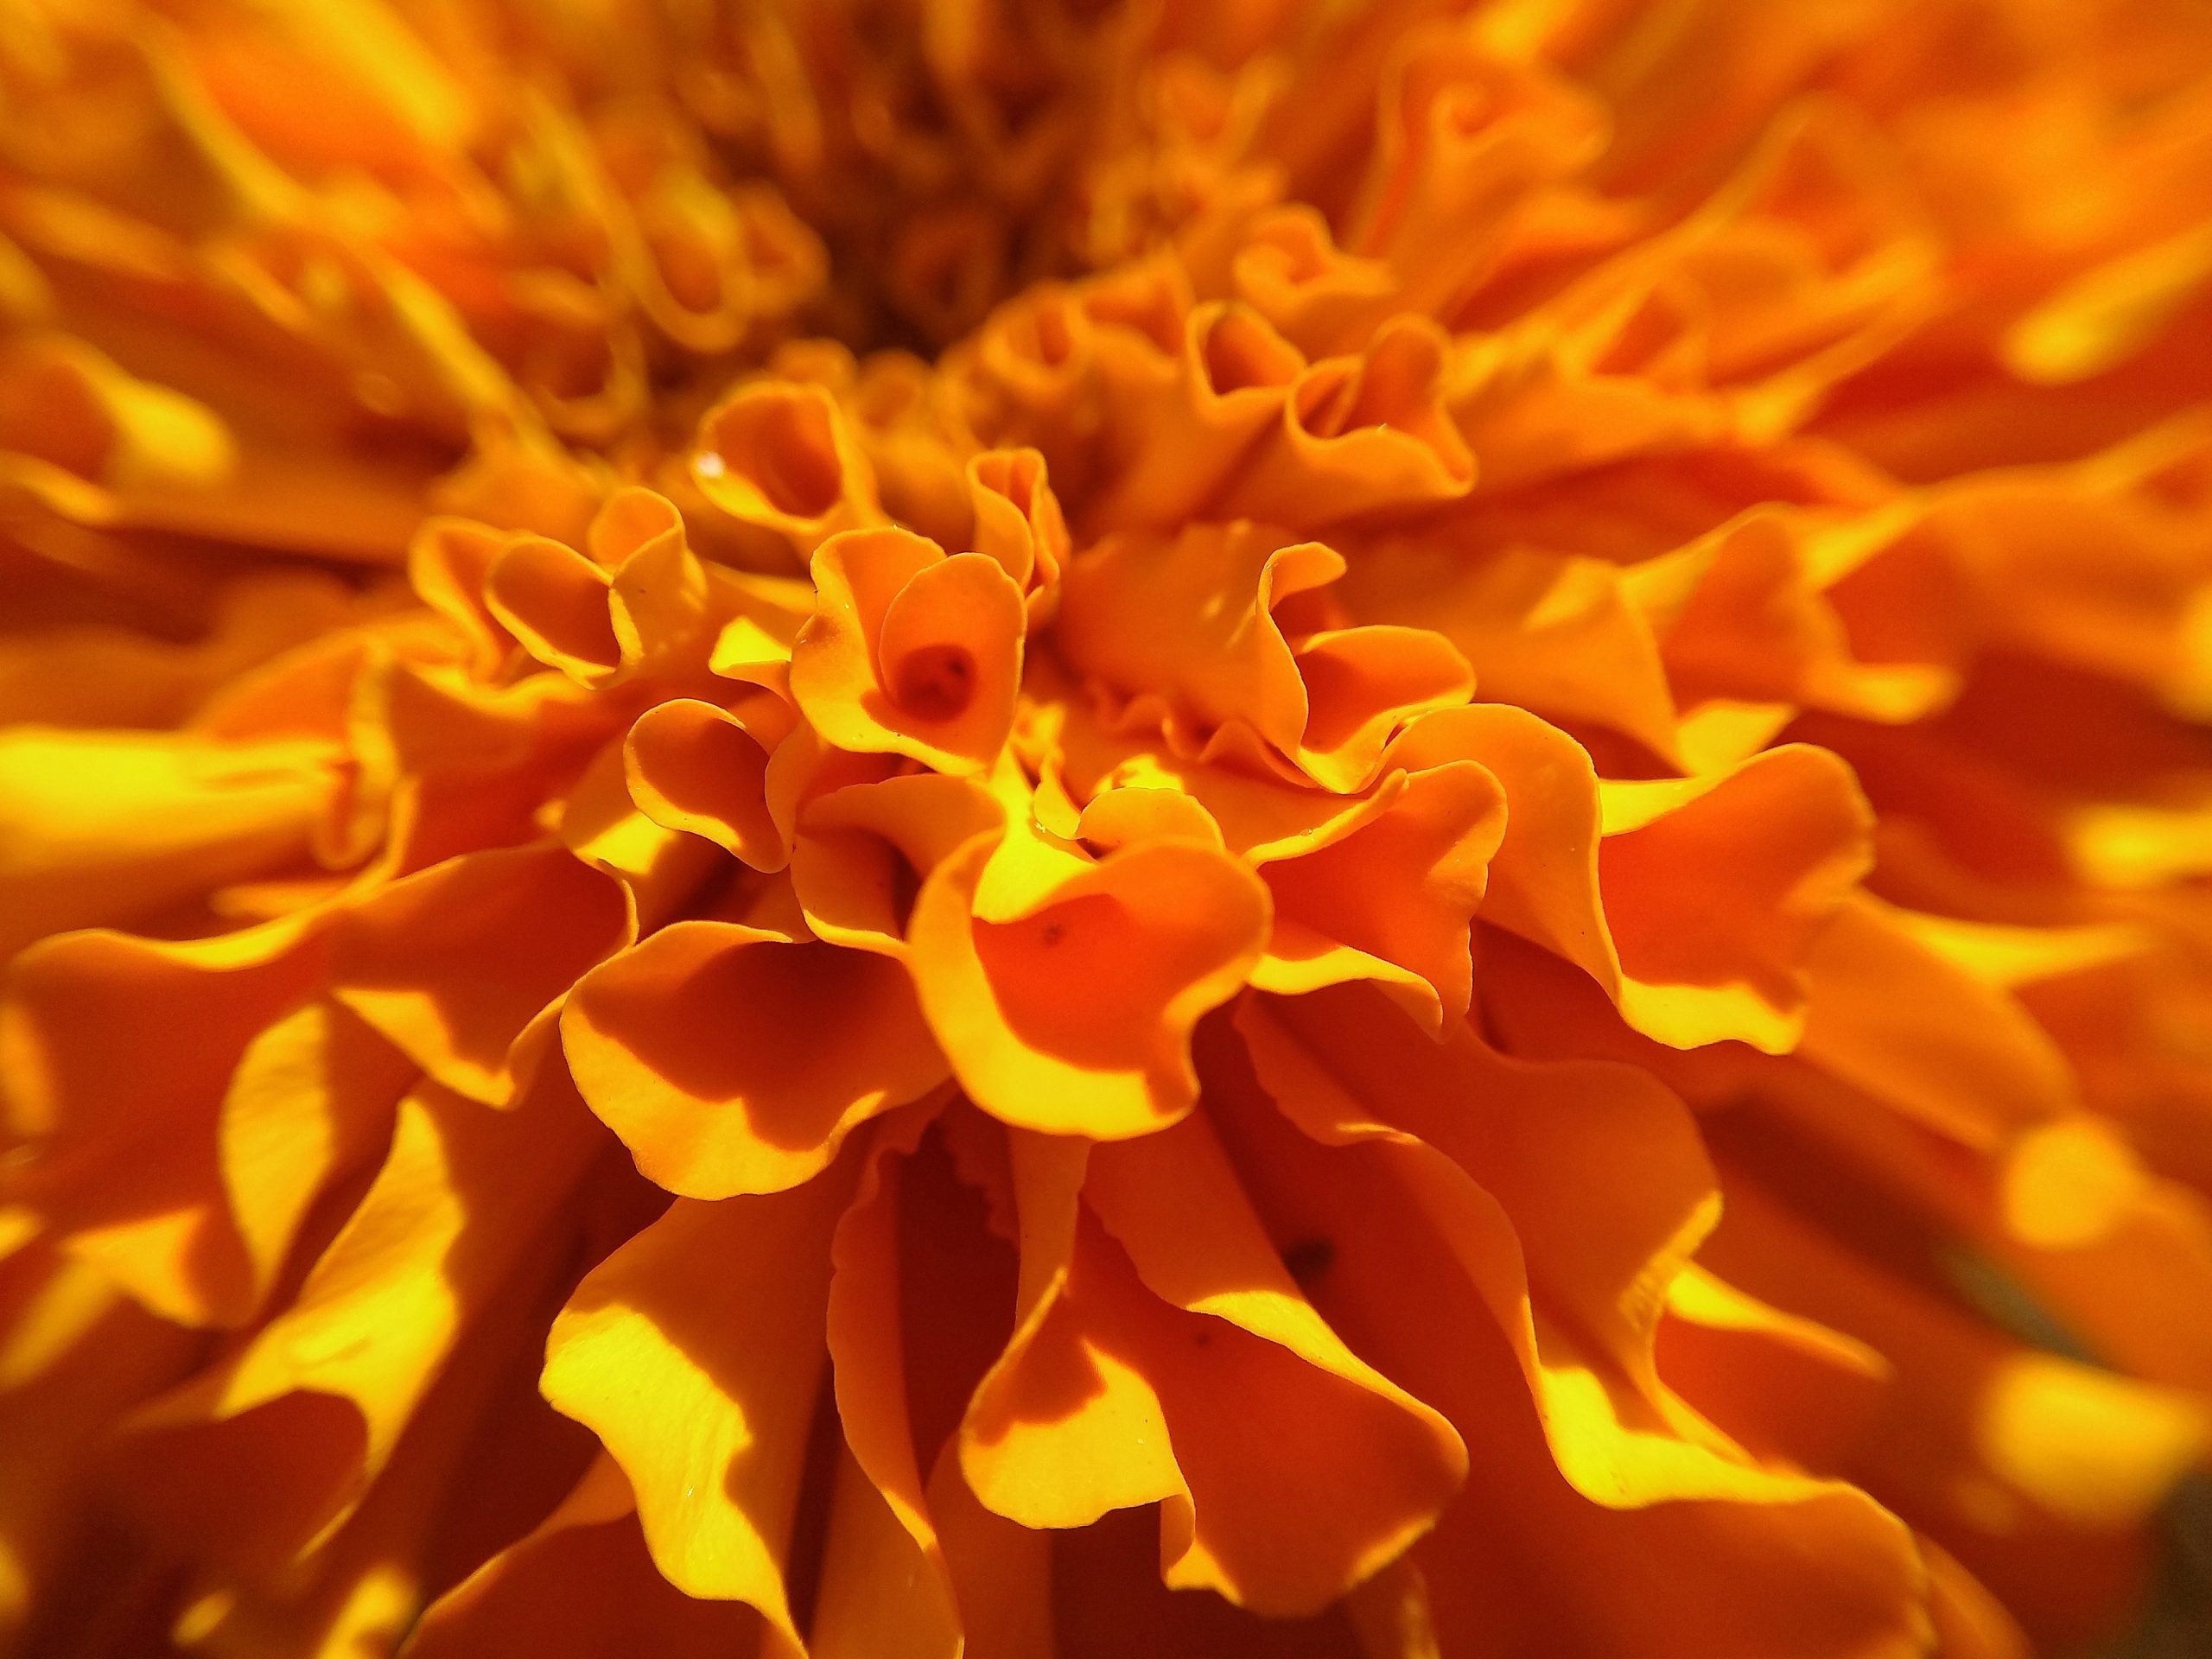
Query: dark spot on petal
1308,1258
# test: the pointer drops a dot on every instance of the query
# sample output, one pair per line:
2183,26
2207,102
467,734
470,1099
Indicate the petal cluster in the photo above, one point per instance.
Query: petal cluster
1013,830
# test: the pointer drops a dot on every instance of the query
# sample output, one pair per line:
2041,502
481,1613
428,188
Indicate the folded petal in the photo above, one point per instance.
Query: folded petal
1020,525
582,1578
863,851
1391,898
1380,1224
554,600
1360,434
734,1060
911,651
1696,902
127,1123
1074,1013
698,767
1190,627
101,829
780,456
701,1386
1304,1469
301,1419
455,965
1067,1425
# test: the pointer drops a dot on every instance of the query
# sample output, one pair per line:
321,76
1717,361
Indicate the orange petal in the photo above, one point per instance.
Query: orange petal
555,600
1555,634
1019,525
1192,624
730,1059
1715,891
446,564
1278,1529
886,1587
660,868
911,651
703,1386
863,851
1065,1426
581,1577
455,965
1890,1016
101,828
1360,434
1075,1015
779,456
696,767
124,1116
1186,437
1695,903
1387,1234
1291,271
1390,895
304,1416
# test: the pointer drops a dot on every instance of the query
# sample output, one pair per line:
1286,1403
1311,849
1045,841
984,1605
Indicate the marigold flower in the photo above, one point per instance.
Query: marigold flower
1028,829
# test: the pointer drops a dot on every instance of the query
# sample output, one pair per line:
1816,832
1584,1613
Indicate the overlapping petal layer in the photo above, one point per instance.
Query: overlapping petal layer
1057,831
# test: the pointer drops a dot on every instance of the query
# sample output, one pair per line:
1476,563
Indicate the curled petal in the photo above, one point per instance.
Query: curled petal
1381,885
1360,435
1195,622
1019,524
1555,634
1782,841
1291,271
886,1587
1187,435
911,651
863,851
1466,138
1890,1016
312,1096
96,441
455,965
629,521
1695,903
1074,1015
1122,817
1281,1534
123,1119
555,600
1391,894
730,1059
1066,1427
1744,614
1029,374
318,1400
703,769
581,1577
659,868
701,1386
1388,1231
779,456
448,562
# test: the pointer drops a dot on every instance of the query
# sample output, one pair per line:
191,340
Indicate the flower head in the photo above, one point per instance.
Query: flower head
1028,829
